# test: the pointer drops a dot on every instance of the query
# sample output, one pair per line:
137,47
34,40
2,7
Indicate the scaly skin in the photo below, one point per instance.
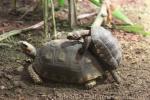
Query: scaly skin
77,35
28,48
115,76
90,84
34,75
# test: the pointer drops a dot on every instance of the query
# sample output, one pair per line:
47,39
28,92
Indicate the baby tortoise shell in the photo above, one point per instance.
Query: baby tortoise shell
105,47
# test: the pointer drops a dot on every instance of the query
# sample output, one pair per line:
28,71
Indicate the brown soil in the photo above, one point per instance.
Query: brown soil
16,84
138,11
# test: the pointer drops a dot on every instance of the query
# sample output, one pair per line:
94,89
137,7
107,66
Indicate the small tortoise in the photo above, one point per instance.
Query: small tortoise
106,47
103,45
60,61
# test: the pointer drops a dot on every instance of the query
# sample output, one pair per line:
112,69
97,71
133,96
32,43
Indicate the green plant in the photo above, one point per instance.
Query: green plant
138,29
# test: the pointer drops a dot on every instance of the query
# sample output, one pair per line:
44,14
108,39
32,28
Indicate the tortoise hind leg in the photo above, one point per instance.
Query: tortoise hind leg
34,75
90,84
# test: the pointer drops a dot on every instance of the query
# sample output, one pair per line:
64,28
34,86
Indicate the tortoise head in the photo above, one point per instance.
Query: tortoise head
27,48
74,36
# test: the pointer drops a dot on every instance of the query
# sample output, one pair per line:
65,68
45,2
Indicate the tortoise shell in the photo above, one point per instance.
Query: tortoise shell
105,47
59,60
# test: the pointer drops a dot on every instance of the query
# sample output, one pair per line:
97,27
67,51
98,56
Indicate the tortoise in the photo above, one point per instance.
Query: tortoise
60,61
106,47
103,45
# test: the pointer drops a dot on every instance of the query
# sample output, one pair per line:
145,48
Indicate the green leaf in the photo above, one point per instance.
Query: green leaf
96,2
61,2
138,29
49,1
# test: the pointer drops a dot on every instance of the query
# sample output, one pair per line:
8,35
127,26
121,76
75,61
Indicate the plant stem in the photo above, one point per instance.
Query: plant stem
72,13
53,18
14,4
46,19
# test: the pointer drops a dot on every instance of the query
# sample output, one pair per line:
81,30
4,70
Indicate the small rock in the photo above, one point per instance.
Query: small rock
19,84
2,87
16,83
19,69
8,76
1,74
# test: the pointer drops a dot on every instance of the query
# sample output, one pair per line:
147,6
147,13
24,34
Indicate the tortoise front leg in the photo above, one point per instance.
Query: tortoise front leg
90,84
115,76
76,35
34,75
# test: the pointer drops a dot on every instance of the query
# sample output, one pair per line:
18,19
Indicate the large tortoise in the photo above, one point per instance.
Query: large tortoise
60,61
103,45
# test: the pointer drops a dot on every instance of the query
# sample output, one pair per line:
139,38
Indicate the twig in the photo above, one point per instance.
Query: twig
101,15
15,32
86,15
5,44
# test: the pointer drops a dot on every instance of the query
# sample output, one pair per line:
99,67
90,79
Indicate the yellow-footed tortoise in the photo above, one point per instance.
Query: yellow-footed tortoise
60,61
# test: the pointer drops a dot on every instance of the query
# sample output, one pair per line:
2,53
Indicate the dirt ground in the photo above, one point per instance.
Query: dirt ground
138,11
16,84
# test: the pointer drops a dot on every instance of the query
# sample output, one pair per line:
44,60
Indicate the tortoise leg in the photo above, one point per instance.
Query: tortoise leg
115,76
34,75
90,84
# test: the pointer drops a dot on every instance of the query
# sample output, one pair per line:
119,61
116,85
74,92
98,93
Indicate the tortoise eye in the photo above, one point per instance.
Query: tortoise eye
24,45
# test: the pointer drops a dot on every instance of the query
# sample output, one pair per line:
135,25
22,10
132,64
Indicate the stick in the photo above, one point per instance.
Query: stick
5,44
101,16
15,32
86,15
